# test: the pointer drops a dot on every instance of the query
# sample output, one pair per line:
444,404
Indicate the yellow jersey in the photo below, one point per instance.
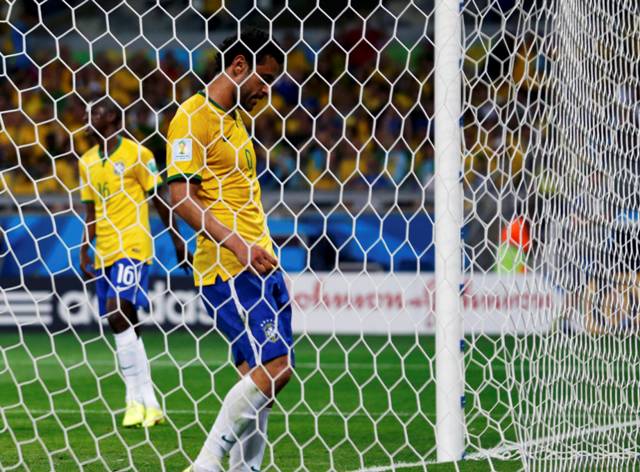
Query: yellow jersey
118,184
211,146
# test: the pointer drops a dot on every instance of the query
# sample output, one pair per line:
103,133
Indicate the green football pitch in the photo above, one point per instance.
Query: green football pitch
355,403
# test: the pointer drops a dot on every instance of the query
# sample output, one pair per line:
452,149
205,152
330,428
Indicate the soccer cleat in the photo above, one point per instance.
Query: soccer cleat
134,416
152,417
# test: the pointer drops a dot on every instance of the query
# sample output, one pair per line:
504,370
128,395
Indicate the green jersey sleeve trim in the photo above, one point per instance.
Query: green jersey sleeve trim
173,178
155,186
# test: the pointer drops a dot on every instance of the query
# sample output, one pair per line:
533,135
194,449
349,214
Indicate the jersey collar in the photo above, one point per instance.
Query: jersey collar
103,156
213,102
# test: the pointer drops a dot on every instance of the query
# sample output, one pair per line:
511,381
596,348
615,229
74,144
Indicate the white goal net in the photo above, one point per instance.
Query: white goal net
582,379
481,154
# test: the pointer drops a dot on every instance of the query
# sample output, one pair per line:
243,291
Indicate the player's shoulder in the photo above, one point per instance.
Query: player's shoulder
90,155
193,117
135,149
197,103
200,103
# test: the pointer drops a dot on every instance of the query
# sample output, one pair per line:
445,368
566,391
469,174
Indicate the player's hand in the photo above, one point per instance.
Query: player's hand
85,264
255,258
260,260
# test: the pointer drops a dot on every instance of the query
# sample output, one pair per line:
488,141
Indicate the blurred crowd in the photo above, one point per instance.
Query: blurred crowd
335,120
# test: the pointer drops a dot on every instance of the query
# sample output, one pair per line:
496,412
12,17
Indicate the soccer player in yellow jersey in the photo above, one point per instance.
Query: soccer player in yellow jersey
211,170
116,177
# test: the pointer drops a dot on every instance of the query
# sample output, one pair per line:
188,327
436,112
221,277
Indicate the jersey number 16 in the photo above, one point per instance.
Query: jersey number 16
126,275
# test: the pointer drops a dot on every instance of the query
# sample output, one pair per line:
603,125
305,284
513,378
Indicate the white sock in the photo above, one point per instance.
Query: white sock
145,384
248,452
127,352
241,406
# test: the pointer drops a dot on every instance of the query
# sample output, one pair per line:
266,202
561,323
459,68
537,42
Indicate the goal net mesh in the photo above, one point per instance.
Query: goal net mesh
579,381
345,148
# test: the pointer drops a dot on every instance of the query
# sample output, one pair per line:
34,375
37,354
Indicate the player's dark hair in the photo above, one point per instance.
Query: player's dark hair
253,44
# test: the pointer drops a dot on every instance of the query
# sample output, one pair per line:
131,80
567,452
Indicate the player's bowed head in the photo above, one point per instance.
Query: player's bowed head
245,68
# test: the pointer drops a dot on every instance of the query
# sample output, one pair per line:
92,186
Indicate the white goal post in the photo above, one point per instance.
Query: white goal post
448,224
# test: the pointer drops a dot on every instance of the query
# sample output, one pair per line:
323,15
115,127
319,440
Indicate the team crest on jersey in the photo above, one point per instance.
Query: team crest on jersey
118,168
270,331
182,150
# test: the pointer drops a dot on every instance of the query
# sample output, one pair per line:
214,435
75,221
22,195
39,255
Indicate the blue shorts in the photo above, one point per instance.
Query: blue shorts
258,330
125,279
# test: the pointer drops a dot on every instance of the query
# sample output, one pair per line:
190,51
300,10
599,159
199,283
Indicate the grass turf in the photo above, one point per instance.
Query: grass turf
354,403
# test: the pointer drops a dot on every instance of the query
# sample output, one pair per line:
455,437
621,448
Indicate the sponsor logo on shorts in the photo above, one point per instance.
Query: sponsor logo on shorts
269,329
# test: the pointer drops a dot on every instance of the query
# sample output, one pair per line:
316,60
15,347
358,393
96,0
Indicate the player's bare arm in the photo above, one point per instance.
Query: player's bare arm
88,235
184,198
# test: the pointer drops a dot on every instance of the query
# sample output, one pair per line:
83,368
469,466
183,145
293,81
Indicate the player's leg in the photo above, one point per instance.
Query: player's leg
153,411
267,348
248,453
241,409
122,319
270,324
126,338
126,293
272,330
249,450
220,305
143,408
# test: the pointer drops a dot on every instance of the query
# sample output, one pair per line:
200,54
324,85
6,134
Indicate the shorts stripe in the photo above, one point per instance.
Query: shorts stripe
245,318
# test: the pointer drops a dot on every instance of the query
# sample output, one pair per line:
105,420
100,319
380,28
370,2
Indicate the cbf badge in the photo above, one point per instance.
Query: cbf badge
118,168
270,331
182,150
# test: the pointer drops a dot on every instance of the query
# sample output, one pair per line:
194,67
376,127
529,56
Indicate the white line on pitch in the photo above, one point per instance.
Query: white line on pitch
399,465
159,363
373,414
